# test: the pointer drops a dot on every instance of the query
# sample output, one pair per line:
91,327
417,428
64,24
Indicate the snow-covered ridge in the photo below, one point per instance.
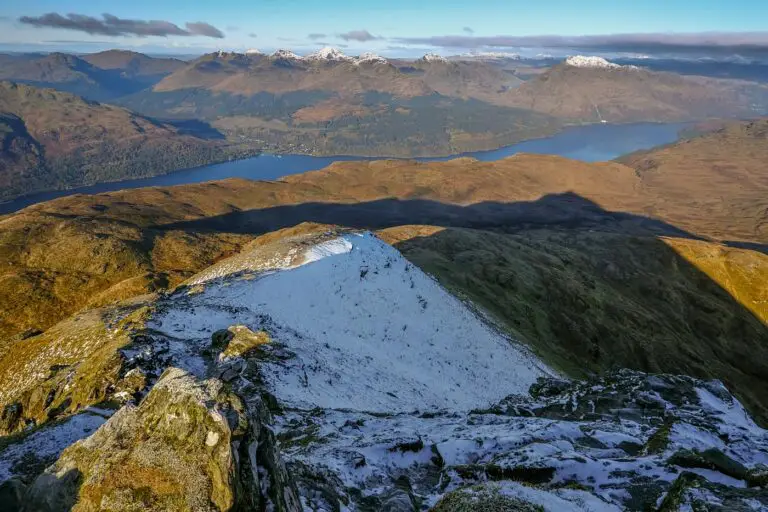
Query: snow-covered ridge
329,53
433,57
284,54
581,61
369,57
366,330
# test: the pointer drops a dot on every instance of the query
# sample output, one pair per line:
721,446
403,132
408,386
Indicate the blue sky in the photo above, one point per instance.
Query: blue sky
400,26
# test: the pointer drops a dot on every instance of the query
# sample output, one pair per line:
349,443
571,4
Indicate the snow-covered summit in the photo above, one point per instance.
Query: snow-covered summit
367,330
433,57
284,54
369,57
225,55
329,54
253,51
582,61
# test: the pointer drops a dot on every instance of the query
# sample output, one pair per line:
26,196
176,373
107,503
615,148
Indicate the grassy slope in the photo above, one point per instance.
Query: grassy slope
715,184
590,301
635,95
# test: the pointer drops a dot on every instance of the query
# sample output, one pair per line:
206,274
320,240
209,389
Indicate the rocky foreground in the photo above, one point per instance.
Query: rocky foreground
322,371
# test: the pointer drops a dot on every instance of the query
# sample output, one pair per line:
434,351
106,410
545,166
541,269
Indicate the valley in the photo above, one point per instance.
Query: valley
227,105
586,143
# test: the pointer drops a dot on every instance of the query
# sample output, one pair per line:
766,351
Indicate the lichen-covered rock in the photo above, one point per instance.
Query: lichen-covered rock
175,451
74,364
237,341
488,498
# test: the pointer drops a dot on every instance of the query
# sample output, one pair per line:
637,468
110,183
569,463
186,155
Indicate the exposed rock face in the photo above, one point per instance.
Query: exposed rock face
188,446
626,441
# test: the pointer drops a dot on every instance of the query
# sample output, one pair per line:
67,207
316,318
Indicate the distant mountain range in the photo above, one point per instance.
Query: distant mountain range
100,76
328,103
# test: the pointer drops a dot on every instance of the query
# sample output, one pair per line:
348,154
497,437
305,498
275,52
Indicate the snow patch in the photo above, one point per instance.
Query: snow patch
284,54
581,61
370,58
329,54
48,442
367,330
326,249
433,57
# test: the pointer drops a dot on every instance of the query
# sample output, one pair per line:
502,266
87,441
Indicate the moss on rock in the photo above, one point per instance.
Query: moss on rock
172,452
237,341
483,498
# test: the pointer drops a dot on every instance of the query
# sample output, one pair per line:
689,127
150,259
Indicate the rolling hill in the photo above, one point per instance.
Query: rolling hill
618,94
101,76
134,64
53,140
328,103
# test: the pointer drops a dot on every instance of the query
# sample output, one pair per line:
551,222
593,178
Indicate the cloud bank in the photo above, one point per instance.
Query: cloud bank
111,25
711,42
361,36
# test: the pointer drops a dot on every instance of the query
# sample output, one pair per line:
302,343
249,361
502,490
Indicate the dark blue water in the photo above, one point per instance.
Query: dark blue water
588,143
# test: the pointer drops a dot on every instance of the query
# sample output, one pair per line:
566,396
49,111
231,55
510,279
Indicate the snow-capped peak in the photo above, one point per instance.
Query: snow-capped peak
433,57
329,53
253,51
369,57
224,54
285,55
581,61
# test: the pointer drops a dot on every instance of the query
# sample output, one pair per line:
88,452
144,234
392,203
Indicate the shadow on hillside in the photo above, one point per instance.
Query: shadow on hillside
589,289
567,211
194,127
752,246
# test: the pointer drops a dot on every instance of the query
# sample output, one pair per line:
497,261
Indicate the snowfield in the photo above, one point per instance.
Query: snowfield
581,61
367,330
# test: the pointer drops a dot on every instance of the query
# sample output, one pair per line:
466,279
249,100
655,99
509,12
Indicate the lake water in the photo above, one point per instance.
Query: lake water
591,143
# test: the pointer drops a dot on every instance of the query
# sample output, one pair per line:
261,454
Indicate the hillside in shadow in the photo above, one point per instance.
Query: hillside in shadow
562,211
588,289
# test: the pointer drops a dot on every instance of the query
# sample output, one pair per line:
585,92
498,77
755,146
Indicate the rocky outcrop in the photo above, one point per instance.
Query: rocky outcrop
189,445
623,441
75,364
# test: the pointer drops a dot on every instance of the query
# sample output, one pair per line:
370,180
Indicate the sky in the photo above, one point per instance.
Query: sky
393,27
